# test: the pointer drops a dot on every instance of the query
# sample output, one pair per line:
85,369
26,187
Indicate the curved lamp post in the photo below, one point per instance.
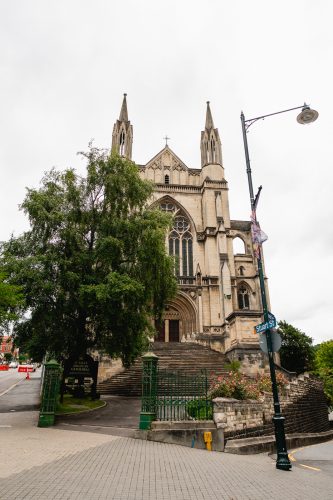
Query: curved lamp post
307,115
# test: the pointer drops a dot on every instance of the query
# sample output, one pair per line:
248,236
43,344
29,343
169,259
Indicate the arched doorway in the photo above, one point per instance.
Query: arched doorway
180,320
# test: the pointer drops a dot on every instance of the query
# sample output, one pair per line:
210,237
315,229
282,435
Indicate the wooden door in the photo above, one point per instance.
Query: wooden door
174,330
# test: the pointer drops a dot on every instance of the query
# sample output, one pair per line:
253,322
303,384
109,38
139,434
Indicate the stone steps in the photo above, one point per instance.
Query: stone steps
188,359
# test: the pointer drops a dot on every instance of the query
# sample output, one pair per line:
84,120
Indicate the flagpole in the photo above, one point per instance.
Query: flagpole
282,459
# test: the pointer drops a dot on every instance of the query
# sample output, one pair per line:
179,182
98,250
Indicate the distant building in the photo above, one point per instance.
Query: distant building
218,301
6,346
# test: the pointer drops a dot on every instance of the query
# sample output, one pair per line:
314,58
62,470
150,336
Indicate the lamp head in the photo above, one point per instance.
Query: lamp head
307,115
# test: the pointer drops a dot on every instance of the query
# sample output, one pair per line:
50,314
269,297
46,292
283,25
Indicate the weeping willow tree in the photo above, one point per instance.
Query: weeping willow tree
93,267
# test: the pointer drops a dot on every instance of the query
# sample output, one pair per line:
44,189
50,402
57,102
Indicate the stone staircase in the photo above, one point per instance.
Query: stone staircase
186,358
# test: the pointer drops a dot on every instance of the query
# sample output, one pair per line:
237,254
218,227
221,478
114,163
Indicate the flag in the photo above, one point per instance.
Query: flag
258,235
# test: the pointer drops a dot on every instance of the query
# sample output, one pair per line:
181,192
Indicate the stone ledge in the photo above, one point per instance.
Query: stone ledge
261,444
190,434
182,424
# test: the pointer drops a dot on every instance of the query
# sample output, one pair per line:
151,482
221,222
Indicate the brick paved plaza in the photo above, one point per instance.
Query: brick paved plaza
57,463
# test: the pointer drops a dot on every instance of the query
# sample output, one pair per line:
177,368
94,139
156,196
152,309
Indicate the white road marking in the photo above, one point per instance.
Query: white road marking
10,388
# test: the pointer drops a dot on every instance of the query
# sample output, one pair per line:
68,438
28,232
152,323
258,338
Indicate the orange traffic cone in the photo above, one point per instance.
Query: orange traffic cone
28,376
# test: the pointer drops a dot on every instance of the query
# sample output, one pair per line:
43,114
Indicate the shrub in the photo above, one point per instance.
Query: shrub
200,409
235,385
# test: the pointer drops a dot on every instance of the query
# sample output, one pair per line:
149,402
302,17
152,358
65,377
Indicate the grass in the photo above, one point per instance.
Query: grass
76,405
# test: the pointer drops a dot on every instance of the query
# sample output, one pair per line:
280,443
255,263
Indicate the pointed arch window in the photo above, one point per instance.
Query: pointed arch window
166,179
208,152
180,241
122,143
212,147
243,297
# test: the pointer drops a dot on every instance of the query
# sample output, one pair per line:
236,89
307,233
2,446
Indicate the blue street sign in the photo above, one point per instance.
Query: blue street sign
266,326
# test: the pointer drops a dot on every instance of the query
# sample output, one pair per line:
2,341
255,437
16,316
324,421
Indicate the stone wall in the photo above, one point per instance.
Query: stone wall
303,405
108,367
237,417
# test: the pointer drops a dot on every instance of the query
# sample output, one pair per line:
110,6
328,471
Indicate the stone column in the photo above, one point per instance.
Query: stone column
166,330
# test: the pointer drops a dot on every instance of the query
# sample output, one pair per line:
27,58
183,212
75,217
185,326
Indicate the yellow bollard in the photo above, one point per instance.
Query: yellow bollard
208,440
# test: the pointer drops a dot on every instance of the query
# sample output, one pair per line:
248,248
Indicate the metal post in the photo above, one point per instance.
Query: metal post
149,390
50,393
282,460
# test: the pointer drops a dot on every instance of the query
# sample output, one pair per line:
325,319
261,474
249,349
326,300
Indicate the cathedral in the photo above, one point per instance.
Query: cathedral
218,302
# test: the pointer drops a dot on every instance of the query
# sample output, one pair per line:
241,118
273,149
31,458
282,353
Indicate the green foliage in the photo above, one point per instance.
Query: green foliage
297,351
324,355
11,299
200,409
324,367
8,356
93,267
233,366
71,404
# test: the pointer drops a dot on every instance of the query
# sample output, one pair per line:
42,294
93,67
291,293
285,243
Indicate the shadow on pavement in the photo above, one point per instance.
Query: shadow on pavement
119,417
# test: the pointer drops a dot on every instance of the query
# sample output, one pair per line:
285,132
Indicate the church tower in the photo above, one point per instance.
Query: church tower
211,151
122,135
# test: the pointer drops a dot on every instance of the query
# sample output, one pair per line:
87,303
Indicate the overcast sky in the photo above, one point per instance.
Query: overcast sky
65,65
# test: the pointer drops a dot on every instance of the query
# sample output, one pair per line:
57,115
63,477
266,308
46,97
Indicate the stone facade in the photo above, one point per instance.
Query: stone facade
218,301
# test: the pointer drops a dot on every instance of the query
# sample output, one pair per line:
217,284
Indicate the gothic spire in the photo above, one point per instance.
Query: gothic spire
123,117
209,118
122,135
211,151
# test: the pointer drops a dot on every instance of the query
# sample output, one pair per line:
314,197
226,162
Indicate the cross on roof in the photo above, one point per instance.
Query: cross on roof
166,138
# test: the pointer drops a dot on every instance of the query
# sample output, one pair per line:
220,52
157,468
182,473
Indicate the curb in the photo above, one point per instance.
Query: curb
252,446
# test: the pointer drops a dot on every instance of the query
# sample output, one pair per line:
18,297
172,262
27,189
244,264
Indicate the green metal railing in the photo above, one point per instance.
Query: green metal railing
172,396
182,397
50,393
149,390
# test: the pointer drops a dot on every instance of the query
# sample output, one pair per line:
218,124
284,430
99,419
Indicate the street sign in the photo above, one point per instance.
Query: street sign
271,323
265,326
276,341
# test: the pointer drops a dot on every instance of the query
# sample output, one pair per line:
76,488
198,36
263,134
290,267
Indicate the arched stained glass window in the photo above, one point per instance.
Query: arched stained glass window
180,241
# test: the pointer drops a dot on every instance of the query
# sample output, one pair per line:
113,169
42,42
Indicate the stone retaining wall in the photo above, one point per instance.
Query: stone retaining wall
303,405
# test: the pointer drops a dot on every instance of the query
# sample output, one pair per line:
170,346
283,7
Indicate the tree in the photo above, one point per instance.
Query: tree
297,352
11,300
324,367
93,266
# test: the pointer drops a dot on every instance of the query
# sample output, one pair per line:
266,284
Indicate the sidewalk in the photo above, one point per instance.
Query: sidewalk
55,463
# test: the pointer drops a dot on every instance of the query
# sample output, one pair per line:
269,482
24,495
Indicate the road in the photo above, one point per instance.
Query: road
120,417
9,378
317,458
17,393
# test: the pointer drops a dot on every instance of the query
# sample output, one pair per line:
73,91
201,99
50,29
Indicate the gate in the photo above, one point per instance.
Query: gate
172,396
182,397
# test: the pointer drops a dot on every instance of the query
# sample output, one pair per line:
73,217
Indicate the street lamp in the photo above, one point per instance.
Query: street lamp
307,115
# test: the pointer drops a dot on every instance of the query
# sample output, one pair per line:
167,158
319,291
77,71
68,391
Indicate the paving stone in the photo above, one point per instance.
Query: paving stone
52,464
